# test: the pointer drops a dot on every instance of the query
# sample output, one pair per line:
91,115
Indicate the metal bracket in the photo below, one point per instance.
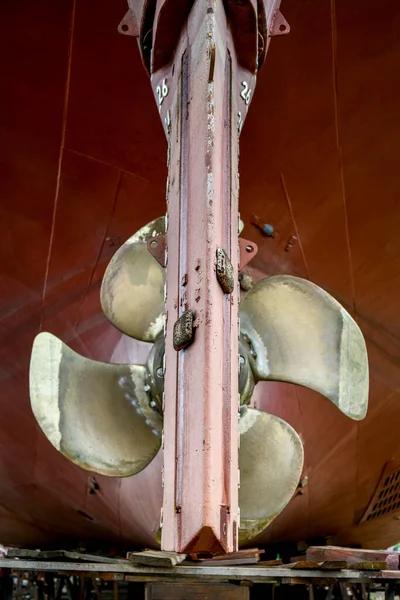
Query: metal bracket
225,272
247,250
129,25
156,246
279,25
184,330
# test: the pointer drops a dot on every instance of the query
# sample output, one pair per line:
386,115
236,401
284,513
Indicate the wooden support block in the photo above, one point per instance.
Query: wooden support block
79,556
303,564
270,563
248,552
242,557
22,553
368,565
393,562
230,562
333,565
154,558
352,555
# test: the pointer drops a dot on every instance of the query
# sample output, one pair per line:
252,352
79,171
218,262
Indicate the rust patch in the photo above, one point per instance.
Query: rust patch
204,542
234,535
224,517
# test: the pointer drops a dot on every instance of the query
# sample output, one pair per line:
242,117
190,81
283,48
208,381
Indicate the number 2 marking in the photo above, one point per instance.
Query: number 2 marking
246,92
167,121
240,122
162,91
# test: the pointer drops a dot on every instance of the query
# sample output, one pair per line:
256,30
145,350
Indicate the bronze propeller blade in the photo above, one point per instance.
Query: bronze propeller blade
98,415
132,292
298,333
270,463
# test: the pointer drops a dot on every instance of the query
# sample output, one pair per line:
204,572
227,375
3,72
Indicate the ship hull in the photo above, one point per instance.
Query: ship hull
83,166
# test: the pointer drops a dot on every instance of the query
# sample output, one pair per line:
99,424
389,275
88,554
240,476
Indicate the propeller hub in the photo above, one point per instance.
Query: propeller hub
155,373
246,377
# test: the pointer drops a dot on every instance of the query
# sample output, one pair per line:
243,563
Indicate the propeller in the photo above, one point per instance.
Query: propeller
270,466
108,418
298,333
133,284
97,414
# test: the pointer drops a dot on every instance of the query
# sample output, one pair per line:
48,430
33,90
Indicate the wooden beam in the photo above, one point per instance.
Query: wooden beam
155,558
352,555
114,571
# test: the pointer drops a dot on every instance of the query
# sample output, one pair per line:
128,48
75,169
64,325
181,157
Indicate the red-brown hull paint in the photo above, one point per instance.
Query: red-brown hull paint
83,166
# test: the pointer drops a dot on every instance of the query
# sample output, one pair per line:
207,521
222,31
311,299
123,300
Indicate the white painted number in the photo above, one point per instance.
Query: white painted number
162,91
240,122
167,121
246,92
